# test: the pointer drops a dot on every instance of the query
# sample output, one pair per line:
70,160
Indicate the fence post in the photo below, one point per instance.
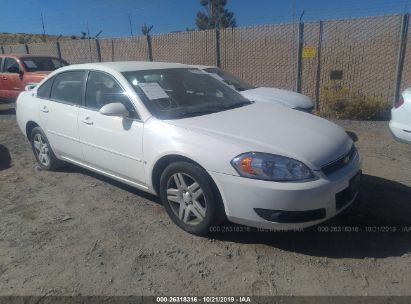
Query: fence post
400,56
217,48
318,80
2,50
58,50
27,48
98,50
149,48
112,50
299,55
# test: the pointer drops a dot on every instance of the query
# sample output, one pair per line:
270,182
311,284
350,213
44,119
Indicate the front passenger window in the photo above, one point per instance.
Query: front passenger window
11,66
103,89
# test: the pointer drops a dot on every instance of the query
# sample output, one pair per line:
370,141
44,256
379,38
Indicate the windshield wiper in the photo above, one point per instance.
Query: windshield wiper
214,109
237,105
197,113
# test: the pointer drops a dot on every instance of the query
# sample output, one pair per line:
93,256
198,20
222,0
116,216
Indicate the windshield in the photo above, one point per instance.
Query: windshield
179,93
34,64
230,79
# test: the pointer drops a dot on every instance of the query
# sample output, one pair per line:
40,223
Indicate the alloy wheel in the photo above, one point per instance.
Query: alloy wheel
186,199
42,149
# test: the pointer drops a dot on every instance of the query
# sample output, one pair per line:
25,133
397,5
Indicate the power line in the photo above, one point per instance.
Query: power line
56,16
115,15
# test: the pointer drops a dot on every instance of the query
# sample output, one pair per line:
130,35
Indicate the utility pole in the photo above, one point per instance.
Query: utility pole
217,36
44,29
89,42
131,26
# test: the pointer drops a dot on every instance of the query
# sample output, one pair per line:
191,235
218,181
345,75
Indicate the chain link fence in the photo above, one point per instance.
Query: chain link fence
334,62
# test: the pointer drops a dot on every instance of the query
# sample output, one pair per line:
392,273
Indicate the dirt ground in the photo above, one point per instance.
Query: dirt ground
73,232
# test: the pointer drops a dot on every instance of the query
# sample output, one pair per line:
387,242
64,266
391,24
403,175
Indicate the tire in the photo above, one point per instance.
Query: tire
43,153
194,208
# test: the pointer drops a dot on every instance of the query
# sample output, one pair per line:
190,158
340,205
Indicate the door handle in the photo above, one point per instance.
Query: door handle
44,109
87,121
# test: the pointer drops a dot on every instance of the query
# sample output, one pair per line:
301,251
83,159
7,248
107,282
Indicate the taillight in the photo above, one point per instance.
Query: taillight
399,102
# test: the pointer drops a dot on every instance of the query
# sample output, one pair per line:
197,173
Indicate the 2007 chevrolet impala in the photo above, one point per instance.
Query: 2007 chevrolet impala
173,130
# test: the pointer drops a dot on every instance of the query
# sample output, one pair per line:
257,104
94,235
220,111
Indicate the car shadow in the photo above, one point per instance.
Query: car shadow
364,230
7,108
69,168
5,158
377,225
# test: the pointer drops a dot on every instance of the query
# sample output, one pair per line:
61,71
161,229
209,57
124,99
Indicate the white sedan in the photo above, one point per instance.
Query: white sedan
400,123
282,97
208,152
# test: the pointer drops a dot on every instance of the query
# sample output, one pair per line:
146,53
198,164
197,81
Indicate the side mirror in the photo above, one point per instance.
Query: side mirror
114,109
30,86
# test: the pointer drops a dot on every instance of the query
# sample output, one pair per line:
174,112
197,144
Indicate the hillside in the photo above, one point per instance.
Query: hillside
21,38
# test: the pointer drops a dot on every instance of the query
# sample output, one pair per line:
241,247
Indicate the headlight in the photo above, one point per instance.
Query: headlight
270,167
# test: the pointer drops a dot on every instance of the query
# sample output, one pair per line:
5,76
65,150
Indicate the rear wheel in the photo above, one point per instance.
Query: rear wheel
188,196
42,150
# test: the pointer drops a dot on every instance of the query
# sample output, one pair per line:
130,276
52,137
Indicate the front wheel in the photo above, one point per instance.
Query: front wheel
42,151
190,199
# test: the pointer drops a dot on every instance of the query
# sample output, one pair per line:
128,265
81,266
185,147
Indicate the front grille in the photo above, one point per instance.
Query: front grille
345,196
339,163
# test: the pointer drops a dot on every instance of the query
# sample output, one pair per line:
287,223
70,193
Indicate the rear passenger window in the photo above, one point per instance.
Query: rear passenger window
44,90
67,87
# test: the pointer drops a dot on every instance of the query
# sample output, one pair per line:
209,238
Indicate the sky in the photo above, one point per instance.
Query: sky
70,17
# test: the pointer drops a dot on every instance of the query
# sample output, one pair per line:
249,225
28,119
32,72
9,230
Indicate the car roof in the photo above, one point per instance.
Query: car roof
203,67
125,66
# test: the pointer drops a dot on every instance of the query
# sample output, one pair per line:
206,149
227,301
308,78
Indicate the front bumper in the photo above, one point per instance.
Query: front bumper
303,204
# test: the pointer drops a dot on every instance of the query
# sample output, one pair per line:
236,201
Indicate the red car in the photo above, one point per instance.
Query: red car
17,71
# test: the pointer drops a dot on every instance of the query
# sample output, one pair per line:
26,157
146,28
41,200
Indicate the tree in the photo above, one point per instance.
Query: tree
145,29
215,15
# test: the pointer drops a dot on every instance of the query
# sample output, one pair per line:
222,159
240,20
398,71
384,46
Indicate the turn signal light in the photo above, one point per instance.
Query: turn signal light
245,164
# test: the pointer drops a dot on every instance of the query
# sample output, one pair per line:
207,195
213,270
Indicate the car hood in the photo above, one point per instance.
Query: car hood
286,98
262,127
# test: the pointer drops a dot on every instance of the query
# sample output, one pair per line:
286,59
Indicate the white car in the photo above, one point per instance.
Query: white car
208,152
285,98
400,123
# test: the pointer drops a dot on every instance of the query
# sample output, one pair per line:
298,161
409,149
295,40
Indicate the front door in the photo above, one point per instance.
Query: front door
11,79
111,144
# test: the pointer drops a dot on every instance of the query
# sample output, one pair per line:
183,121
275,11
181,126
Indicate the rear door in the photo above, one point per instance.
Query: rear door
11,78
59,100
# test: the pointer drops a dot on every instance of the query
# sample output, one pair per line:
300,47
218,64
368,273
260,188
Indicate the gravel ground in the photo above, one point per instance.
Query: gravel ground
73,232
